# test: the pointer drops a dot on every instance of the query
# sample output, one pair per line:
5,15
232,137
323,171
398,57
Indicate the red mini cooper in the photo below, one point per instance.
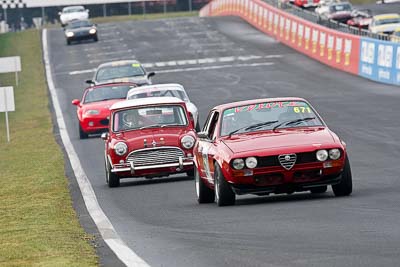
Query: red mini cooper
149,137
263,146
93,110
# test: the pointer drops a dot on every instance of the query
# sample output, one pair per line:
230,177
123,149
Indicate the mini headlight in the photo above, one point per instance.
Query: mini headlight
322,155
92,31
187,141
70,34
120,148
92,112
238,164
251,162
334,153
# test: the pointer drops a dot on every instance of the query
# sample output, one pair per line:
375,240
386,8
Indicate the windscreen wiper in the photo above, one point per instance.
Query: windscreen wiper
293,122
252,127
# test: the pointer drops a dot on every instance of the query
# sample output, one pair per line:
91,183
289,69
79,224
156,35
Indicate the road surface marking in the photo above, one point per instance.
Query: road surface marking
106,229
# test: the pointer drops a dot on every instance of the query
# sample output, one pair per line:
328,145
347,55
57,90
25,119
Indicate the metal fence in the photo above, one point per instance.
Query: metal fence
22,18
332,24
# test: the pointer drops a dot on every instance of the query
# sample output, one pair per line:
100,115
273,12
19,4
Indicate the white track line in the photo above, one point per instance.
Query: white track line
216,67
189,62
107,231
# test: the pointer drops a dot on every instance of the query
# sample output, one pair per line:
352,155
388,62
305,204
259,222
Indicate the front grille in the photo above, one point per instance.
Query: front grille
272,161
287,160
155,156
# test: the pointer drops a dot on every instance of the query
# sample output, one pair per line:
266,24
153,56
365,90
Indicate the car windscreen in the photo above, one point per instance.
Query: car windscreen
72,10
160,93
267,116
79,24
120,71
149,117
387,21
337,8
106,93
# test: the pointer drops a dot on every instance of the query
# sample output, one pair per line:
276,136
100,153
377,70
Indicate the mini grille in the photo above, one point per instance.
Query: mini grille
155,156
287,160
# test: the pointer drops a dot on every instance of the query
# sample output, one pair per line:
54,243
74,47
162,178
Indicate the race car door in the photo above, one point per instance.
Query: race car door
207,148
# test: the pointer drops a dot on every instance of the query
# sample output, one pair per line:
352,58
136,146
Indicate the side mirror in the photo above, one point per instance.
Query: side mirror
104,136
76,102
89,82
59,13
87,10
151,74
203,135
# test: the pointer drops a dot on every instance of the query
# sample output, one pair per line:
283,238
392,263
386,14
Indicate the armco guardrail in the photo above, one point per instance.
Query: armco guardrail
354,54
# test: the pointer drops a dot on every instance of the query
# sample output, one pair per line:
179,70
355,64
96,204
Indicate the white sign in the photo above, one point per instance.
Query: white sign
7,99
7,104
10,64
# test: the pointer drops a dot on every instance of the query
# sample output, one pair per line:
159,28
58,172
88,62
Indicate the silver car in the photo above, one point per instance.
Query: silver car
121,71
168,89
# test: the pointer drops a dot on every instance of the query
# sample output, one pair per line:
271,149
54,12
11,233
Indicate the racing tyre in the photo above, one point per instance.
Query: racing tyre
68,42
111,178
82,134
95,39
319,189
224,196
204,194
345,187
190,173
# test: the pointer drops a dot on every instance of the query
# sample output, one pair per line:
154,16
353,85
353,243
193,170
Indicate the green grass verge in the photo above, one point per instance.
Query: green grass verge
148,16
39,226
362,2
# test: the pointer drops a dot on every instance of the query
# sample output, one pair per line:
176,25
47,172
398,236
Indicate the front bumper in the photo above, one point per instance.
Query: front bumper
176,166
284,188
85,36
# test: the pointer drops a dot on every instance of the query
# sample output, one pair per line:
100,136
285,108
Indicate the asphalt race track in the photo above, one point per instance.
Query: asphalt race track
221,60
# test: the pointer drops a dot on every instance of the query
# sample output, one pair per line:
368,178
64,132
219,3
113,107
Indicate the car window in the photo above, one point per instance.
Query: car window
75,9
271,113
120,71
160,93
154,116
387,21
213,126
79,24
106,93
337,8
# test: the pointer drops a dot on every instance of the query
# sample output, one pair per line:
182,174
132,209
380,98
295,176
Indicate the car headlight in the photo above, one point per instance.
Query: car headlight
322,155
92,31
334,153
120,148
70,34
187,141
251,162
92,112
238,164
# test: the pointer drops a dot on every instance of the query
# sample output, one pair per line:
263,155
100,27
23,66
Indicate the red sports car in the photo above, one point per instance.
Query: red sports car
149,137
263,146
93,110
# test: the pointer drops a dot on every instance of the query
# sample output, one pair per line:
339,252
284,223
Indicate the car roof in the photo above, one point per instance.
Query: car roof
386,16
256,101
146,101
156,87
118,63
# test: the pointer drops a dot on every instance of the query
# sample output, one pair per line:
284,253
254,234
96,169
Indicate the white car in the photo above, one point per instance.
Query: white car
165,90
385,23
73,13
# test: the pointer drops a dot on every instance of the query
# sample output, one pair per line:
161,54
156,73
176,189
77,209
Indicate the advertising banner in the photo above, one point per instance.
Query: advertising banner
380,61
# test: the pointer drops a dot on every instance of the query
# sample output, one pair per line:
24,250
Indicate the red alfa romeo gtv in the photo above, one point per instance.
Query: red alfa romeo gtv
263,146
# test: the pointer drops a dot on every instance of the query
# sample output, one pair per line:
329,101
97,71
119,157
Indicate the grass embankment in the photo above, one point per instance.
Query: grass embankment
39,227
